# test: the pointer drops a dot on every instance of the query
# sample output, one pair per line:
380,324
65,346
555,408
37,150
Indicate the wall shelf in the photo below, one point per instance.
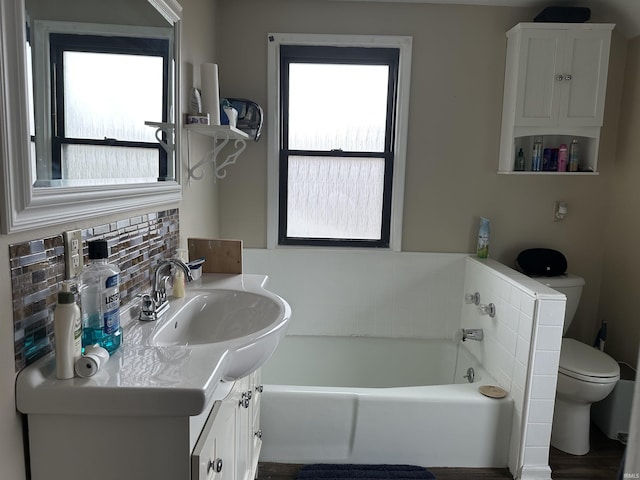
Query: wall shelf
222,135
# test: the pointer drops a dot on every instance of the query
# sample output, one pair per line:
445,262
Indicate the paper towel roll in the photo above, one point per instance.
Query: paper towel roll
210,91
89,364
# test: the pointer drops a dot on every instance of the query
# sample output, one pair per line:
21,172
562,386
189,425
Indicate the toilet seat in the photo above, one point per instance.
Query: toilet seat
586,363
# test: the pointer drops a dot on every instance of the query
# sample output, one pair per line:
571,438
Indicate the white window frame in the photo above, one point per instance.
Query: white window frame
404,44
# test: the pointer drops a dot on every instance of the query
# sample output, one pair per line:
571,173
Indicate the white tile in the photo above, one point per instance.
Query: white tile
549,338
538,434
543,387
541,411
519,375
525,327
551,312
522,350
546,362
536,456
527,305
508,339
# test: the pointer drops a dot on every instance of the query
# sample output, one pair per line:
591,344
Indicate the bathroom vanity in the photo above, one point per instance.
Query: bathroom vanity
222,443
180,400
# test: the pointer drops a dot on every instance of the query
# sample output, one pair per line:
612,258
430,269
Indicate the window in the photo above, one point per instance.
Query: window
92,118
337,154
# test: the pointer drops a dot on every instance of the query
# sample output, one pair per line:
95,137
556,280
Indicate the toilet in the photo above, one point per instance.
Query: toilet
585,375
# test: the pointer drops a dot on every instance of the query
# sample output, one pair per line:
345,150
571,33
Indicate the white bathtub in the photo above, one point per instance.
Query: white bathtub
380,400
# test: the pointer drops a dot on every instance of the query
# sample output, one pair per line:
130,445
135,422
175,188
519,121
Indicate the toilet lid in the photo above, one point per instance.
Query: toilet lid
585,362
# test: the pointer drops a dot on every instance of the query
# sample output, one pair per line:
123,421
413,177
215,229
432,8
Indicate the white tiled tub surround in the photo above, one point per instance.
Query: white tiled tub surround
421,295
364,292
521,349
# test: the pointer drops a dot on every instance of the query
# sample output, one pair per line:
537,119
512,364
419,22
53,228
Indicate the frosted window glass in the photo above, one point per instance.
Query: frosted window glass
335,197
92,162
337,107
112,95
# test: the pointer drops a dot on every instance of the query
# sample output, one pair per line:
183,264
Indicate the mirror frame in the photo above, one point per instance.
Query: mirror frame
25,207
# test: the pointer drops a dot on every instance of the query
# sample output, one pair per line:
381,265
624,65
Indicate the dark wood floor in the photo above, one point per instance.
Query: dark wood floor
601,463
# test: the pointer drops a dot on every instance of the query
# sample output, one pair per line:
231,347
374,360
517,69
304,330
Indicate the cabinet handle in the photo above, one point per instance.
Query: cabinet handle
559,77
568,77
215,465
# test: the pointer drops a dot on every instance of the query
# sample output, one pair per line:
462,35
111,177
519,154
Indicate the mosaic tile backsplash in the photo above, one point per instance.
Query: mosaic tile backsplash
37,267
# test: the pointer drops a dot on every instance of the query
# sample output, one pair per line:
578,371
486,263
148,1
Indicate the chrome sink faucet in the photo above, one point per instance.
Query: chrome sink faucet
156,303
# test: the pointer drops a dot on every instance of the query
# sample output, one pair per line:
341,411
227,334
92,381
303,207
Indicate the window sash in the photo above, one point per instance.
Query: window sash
348,56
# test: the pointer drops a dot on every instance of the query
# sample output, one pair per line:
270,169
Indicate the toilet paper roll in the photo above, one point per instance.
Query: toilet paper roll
210,92
94,357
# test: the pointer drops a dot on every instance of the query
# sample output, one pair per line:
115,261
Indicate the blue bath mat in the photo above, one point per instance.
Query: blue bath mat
323,471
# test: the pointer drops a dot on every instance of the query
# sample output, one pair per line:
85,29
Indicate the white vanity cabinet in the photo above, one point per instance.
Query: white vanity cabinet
555,84
229,446
219,444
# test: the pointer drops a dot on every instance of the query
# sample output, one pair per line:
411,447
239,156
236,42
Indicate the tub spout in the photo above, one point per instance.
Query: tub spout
472,334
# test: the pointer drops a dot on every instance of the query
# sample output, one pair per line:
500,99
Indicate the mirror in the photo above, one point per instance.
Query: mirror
92,95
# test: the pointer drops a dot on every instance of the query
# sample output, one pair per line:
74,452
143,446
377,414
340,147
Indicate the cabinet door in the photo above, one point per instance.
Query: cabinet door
538,90
586,60
213,457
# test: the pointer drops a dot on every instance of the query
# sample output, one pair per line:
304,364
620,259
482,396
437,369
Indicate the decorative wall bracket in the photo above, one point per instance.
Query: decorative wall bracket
169,130
222,136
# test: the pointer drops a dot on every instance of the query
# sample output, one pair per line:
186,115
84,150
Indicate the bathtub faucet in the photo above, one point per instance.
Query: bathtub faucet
472,334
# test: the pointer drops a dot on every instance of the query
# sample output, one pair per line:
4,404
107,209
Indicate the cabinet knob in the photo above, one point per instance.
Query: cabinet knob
215,465
568,77
258,434
559,77
244,402
259,388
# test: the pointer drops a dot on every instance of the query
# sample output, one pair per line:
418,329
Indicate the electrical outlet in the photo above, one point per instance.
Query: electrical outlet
72,253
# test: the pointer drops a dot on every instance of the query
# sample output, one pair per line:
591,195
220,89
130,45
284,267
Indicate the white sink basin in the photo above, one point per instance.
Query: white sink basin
226,327
218,316
248,324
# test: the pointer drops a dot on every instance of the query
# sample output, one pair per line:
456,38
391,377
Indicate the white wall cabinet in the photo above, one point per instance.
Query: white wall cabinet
555,84
219,444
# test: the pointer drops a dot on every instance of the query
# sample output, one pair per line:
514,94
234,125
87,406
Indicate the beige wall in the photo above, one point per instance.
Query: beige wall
199,208
455,114
621,272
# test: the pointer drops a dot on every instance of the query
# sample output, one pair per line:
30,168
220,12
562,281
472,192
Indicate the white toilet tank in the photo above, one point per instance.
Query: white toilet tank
571,286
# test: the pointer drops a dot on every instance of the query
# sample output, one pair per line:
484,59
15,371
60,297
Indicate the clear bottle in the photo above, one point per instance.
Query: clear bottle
100,300
573,156
536,156
519,166
67,326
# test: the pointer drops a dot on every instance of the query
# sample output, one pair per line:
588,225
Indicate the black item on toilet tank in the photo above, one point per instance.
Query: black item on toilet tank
541,262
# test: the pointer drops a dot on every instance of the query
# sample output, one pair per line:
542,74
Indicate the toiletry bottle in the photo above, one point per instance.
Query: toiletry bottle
100,300
483,238
67,326
536,156
562,158
573,156
546,159
178,274
519,167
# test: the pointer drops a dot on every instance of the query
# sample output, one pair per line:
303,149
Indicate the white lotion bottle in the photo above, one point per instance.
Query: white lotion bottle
67,324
